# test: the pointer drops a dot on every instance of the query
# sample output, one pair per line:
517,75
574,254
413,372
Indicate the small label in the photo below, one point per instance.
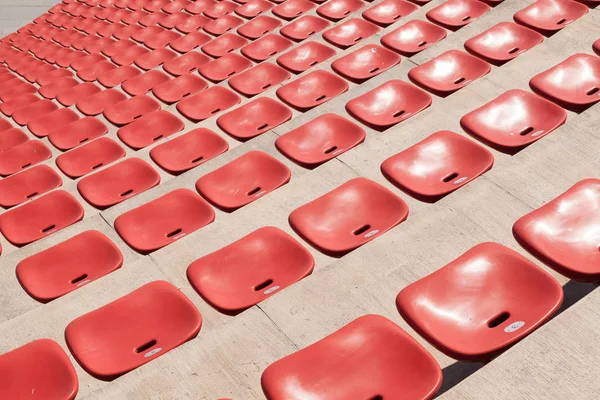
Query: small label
515,326
179,236
461,180
373,232
152,352
260,193
271,290
538,133
84,282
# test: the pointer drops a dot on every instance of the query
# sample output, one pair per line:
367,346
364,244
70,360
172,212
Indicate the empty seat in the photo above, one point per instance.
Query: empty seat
85,159
40,217
258,27
23,156
11,137
596,46
366,62
207,103
224,67
107,348
144,83
574,83
73,95
514,120
50,90
128,55
4,124
243,180
389,11
481,303
312,89
69,265
224,44
336,10
454,14
292,9
402,101
223,24
154,58
185,63
303,27
189,150
179,88
24,186
350,32
192,24
220,9
39,367
503,42
16,103
150,34
254,118
320,140
150,128
305,56
127,111
117,76
370,358
95,104
258,79
253,8
548,16
563,232
87,61
173,19
437,165
114,48
449,72
266,47
349,216
118,183
250,269
45,124
21,89
92,72
160,222
189,42
198,6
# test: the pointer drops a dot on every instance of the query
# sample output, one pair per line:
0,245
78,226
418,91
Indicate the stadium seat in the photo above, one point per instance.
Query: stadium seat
28,184
253,8
304,27
292,9
223,44
95,104
454,14
23,156
11,137
220,9
189,42
224,67
222,25
350,32
45,124
259,27
258,79
117,76
73,95
144,83
336,10
91,73
312,89
177,89
128,55
192,24
154,58
549,16
387,12
16,103
207,103
89,157
127,111
365,62
266,47
185,63
254,118
50,90
305,56
150,128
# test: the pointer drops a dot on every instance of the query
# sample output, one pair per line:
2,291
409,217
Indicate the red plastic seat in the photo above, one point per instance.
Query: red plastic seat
198,6
42,126
389,11
175,6
596,46
117,76
350,32
503,42
266,47
17,91
179,88
574,83
95,104
86,61
312,89
514,120
224,44
224,67
370,358
449,72
32,111
152,19
366,62
389,104
454,14
73,95
222,25
563,232
92,73
162,221
154,58
258,27
320,140
189,42
254,118
127,56
118,183
243,180
185,64
106,348
305,56
292,9
40,366
85,159
208,103
336,10
192,24
155,5
188,151
173,19
76,133
144,83
481,303
40,217
304,27
22,156
250,269
113,48
349,216
548,16
24,186
16,103
437,165
258,79
11,137
129,110
150,128
50,90
253,8
69,265
220,9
